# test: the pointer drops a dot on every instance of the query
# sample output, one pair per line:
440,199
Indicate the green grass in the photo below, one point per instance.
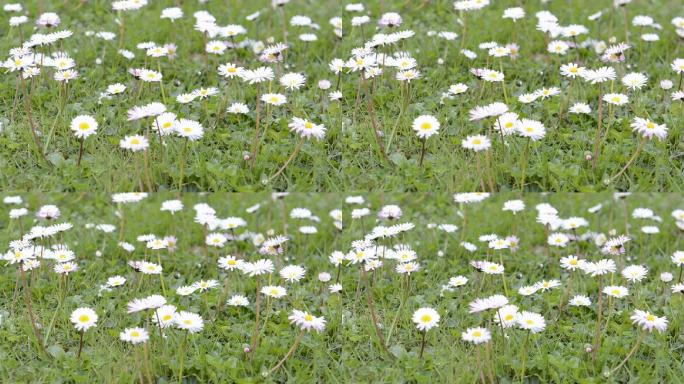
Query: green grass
213,163
348,349
557,162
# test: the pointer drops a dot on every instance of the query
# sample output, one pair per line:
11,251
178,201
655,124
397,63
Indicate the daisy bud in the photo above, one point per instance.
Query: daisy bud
245,157
324,84
587,156
666,277
666,84
324,277
245,350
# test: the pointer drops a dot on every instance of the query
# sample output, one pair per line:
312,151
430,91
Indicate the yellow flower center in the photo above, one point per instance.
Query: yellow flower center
135,141
135,334
650,318
477,141
83,126
425,318
83,318
477,333
308,317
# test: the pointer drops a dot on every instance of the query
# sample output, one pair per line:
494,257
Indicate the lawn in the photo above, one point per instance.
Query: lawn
227,155
419,254
419,67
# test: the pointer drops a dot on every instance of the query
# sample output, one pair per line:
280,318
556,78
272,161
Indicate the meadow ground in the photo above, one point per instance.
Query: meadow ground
421,251
416,66
212,156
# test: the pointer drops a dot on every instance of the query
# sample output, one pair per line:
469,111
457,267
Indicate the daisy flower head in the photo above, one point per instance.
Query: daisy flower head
634,273
306,129
238,301
425,318
616,291
256,76
531,129
292,273
580,301
134,143
83,319
306,321
580,108
476,143
83,126
425,126
634,80
189,321
134,335
648,128
274,98
292,81
601,267
190,129
648,321
531,321
558,240
259,267
476,335
616,98
274,291
506,316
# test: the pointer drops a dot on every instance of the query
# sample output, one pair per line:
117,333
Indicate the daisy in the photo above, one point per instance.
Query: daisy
83,319
476,143
425,318
531,321
532,129
425,126
580,301
190,129
615,291
274,291
615,98
476,335
134,335
134,143
83,126
274,98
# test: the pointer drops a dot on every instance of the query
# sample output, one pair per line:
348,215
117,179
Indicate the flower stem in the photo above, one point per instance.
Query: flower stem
523,166
80,346
631,352
631,160
181,358
181,167
289,352
523,357
294,154
255,335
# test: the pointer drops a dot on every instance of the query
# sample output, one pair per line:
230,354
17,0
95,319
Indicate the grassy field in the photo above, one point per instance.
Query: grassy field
213,162
349,348
562,159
